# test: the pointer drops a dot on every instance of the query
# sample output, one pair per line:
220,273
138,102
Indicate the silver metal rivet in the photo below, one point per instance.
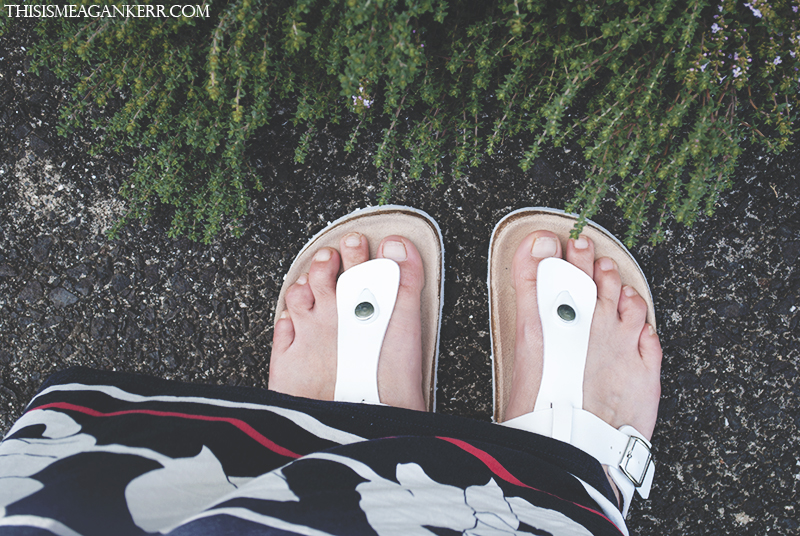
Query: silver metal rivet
566,312
364,310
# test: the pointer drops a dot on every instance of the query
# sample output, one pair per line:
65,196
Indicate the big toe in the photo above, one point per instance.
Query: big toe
405,254
527,374
534,248
400,365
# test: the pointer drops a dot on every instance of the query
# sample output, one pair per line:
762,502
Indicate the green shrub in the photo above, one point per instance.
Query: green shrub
662,95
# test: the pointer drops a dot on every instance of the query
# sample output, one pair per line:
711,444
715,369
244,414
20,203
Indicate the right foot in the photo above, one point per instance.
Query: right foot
623,363
303,361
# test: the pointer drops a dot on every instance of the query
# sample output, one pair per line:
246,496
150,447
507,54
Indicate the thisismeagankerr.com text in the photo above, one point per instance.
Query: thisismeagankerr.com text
99,11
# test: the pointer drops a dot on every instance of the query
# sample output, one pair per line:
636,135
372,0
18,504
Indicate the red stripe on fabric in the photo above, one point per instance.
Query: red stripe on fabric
238,423
501,472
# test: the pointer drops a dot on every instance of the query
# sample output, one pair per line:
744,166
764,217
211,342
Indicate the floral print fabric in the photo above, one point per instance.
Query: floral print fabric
99,453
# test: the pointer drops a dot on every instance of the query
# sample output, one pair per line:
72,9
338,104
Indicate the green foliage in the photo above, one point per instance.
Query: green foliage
662,95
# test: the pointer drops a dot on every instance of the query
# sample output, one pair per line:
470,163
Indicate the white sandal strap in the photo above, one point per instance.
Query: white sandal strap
365,297
625,451
566,299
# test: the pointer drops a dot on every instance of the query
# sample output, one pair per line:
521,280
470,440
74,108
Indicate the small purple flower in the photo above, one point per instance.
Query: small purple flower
736,72
777,61
715,28
755,11
359,99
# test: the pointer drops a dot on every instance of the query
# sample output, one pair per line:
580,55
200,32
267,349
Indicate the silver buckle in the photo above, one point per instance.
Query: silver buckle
627,456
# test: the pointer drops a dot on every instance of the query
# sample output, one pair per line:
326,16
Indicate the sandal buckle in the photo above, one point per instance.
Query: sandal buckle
636,460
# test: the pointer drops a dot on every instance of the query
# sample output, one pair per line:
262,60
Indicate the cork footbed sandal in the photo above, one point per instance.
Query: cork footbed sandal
506,237
376,223
566,298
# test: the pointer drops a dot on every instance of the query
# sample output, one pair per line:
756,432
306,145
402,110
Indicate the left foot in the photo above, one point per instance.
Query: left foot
622,378
303,361
621,382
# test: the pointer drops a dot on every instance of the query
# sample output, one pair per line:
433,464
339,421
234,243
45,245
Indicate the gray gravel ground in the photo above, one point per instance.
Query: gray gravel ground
726,293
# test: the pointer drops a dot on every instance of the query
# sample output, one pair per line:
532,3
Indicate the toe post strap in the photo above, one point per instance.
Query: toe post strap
365,298
566,300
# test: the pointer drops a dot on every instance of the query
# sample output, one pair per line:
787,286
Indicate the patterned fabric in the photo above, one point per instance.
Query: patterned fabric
105,453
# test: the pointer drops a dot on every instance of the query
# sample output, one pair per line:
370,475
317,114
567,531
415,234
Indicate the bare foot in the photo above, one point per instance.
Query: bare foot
303,361
623,365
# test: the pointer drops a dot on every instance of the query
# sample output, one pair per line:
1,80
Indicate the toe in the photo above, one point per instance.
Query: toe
527,374
535,247
606,277
650,346
283,335
524,268
401,354
632,308
580,252
405,254
299,298
354,250
323,273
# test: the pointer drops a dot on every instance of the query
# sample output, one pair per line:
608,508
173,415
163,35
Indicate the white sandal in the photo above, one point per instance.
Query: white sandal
365,296
566,298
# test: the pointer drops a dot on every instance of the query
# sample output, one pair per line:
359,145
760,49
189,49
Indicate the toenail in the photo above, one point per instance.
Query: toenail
629,291
284,314
395,251
544,246
302,280
651,329
322,255
581,243
353,240
606,264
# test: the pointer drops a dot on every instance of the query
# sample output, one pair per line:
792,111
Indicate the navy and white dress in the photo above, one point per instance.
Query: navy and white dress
102,453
